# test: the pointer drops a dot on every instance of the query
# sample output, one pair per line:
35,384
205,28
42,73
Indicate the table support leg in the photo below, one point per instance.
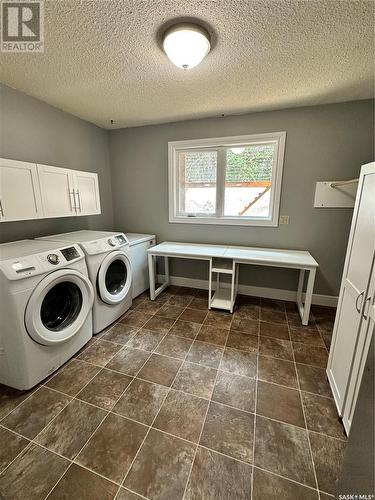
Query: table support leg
151,273
300,286
308,298
233,285
210,284
304,308
166,270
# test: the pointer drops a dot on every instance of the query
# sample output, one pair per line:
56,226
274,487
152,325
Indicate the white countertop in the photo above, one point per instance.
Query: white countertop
265,256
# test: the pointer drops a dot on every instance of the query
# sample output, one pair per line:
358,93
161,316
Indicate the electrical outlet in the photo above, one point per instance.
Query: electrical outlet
284,219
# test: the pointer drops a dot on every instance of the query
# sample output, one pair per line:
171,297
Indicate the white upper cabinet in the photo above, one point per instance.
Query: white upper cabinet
19,191
56,185
86,190
30,191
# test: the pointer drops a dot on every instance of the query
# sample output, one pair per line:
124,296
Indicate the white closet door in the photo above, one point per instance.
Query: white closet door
56,186
87,193
354,286
19,191
364,340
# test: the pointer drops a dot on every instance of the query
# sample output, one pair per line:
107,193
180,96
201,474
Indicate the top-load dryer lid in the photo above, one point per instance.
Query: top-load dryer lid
23,248
81,236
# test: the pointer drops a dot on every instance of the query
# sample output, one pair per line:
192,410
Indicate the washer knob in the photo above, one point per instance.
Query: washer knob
53,259
112,242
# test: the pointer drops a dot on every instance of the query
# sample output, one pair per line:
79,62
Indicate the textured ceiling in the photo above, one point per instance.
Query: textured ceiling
102,60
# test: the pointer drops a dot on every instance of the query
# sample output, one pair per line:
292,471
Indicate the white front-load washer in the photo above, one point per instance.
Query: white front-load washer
108,264
46,303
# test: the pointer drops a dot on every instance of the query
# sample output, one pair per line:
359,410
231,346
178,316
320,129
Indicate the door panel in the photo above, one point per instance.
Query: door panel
19,191
351,331
362,249
364,340
87,192
345,343
57,191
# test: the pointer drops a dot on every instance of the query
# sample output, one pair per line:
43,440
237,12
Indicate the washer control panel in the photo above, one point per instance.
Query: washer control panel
39,263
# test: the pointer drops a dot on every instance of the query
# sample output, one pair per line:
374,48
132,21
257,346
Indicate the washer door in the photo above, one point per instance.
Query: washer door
58,307
114,277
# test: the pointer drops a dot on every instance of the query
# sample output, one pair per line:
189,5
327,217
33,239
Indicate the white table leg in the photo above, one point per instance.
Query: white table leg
232,291
151,273
210,284
300,285
166,269
308,298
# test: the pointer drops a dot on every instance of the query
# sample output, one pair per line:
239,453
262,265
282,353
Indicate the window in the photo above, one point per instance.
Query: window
230,180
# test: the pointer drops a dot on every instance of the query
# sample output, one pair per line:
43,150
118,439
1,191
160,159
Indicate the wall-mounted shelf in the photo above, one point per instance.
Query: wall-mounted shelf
335,194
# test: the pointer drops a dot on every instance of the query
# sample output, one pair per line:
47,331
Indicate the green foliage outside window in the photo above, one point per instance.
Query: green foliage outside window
253,164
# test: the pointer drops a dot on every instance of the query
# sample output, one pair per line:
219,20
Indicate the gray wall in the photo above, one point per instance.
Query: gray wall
36,132
323,143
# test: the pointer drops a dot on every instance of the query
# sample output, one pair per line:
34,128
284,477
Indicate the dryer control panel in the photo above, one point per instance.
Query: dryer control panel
103,245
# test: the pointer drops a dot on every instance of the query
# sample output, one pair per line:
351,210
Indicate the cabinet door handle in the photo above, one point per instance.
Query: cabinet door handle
365,316
360,295
1,209
72,205
79,201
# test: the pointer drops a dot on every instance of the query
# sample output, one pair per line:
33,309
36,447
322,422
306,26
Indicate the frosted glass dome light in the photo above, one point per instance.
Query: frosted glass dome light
186,45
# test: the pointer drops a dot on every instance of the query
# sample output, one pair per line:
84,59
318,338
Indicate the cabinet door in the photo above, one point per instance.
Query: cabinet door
56,186
87,193
364,340
354,287
19,191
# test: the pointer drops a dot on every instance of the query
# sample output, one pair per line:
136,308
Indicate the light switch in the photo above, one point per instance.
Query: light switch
284,219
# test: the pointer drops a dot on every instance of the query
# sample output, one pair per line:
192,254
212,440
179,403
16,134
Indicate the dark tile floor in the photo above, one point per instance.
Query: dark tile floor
177,402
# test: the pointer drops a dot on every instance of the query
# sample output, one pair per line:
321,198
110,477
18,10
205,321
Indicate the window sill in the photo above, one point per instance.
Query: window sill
224,221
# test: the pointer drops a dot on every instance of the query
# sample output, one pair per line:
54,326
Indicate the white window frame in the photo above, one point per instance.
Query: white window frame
175,147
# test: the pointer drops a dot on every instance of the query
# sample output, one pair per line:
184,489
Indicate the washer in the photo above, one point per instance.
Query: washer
108,264
46,301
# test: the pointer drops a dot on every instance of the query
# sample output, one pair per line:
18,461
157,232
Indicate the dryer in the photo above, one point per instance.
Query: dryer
46,300
110,272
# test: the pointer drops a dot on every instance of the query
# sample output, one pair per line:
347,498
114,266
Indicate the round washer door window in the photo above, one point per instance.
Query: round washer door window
114,277
61,306
58,307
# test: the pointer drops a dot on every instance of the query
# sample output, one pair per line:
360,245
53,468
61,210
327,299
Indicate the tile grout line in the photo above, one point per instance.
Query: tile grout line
255,417
133,378
49,424
304,417
153,421
172,435
205,418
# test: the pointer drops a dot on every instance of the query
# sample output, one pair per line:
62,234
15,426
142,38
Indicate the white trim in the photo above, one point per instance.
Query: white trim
257,291
174,147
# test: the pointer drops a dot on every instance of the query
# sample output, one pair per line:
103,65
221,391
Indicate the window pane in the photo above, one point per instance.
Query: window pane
248,178
197,182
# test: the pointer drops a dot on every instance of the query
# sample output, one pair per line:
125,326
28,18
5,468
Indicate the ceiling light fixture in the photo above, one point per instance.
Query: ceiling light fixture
186,44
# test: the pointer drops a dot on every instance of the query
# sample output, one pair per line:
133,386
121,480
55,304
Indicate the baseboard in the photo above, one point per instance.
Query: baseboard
258,291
